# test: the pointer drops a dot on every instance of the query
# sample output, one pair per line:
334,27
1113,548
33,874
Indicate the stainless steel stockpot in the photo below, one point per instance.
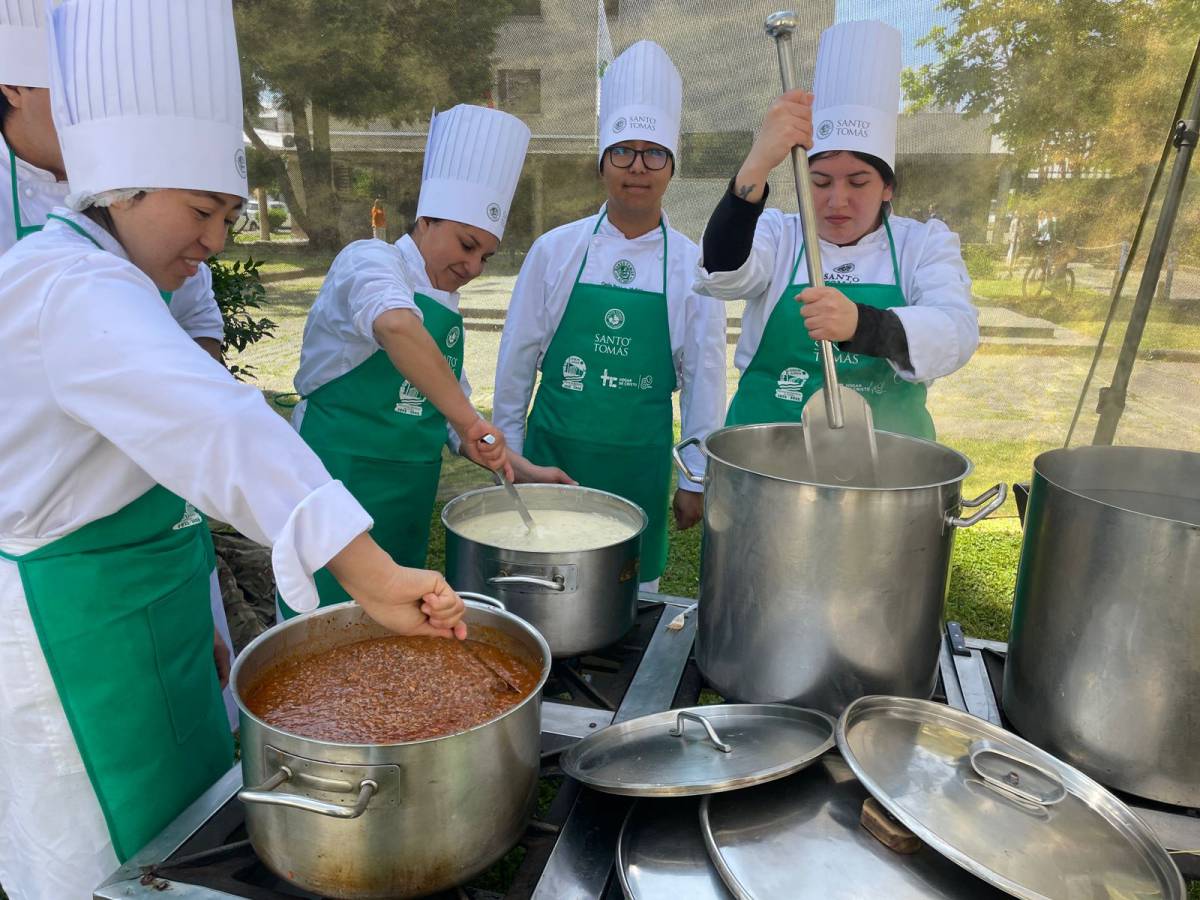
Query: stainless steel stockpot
817,594
580,601
387,820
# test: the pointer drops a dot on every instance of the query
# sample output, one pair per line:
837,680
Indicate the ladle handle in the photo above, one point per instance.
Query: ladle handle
780,26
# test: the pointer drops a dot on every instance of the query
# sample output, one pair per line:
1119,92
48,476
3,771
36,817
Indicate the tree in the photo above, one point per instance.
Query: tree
357,60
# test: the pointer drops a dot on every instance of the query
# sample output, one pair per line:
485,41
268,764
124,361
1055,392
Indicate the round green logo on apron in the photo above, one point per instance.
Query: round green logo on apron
614,319
624,271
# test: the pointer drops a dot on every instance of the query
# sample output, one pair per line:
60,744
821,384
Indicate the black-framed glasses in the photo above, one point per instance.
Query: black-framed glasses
653,158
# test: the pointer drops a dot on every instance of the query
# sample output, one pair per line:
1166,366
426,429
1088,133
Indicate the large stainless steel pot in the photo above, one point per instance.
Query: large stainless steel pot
815,594
1104,655
386,820
579,601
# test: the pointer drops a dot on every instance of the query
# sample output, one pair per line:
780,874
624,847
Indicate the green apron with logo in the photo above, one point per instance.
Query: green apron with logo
383,440
786,369
603,411
121,610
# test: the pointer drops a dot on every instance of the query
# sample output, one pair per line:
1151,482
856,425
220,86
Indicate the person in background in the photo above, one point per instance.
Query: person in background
381,365
896,298
378,221
117,430
603,307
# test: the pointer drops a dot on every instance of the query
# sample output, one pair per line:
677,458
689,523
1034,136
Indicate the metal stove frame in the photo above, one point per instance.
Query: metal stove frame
585,824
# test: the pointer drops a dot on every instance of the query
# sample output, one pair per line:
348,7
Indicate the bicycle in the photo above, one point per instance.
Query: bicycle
1050,271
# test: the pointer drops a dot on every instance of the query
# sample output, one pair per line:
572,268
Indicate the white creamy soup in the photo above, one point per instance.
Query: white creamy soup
555,531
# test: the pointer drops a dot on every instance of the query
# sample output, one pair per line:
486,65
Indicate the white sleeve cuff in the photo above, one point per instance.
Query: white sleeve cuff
318,529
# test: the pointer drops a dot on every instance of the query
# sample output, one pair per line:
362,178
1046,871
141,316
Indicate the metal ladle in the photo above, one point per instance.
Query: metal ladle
511,489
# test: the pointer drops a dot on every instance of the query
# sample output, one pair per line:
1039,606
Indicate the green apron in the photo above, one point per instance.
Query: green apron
603,411
383,440
786,369
121,610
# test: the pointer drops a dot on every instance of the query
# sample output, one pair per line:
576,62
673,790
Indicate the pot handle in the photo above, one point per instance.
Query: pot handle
484,599
994,497
677,455
684,715
264,793
558,584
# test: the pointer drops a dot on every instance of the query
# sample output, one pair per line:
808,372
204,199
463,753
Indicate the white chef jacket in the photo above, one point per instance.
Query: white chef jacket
193,306
539,300
940,322
367,279
104,396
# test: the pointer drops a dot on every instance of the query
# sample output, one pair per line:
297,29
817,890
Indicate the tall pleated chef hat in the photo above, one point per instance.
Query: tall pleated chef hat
857,88
24,58
473,161
147,94
641,99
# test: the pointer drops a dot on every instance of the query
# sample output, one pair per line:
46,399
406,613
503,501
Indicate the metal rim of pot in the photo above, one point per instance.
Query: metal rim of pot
1006,769
703,444
470,599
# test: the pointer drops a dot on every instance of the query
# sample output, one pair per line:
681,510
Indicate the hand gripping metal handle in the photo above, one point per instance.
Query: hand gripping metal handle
677,455
780,26
684,715
264,793
557,584
484,599
997,494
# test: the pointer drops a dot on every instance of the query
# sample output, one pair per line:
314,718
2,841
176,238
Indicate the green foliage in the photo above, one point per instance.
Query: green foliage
276,217
982,259
240,292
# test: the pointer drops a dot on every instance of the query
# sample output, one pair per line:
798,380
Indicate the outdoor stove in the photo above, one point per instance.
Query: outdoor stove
569,849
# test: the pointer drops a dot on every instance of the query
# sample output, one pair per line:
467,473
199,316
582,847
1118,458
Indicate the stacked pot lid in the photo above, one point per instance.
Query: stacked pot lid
994,814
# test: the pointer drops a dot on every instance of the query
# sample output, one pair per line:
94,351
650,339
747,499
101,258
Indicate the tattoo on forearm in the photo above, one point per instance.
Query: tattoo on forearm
745,190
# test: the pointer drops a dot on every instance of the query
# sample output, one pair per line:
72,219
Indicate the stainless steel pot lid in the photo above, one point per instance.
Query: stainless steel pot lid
661,855
1000,807
700,750
801,837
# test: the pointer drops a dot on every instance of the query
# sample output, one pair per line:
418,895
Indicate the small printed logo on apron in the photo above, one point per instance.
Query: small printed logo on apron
574,369
614,319
412,401
452,336
791,385
624,271
190,518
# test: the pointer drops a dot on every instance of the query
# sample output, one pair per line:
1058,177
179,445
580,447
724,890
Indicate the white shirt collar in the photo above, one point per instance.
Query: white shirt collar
608,229
107,242
868,242
25,171
418,276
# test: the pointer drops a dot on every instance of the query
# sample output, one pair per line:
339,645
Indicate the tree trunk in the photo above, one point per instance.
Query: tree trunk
295,207
320,202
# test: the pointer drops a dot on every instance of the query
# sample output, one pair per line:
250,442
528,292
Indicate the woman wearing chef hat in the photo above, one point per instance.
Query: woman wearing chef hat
31,157
603,307
381,366
896,299
110,709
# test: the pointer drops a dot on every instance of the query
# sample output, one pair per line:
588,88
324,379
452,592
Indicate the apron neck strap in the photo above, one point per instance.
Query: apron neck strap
891,248
662,226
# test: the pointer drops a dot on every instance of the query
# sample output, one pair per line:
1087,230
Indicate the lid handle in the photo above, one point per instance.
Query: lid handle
684,715
1016,777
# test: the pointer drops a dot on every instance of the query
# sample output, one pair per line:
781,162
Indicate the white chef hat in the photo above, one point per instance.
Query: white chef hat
24,59
147,94
641,98
473,161
857,88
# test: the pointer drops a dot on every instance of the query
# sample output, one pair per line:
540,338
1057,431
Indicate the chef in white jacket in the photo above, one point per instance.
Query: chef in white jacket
604,308
382,364
117,429
896,299
35,182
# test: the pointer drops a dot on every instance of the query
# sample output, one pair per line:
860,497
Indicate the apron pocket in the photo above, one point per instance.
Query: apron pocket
181,627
